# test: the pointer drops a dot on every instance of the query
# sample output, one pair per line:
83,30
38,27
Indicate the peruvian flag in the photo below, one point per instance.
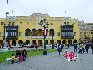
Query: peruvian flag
45,32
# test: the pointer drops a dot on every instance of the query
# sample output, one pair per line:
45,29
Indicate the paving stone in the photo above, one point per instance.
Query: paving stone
53,61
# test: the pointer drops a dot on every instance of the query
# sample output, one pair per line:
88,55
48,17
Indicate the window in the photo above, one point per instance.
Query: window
9,22
2,23
74,33
14,28
0,34
58,33
13,23
68,33
20,23
46,41
27,23
15,34
63,33
20,33
84,32
51,23
65,23
9,33
91,32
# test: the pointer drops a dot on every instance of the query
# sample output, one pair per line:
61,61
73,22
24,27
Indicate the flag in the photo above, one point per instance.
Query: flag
45,31
7,1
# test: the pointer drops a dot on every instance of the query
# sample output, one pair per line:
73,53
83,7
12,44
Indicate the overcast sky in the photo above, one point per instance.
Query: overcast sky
81,9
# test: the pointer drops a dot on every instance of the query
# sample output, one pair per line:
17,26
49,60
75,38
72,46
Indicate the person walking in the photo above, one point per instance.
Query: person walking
87,46
59,49
24,53
80,48
75,47
55,45
68,45
62,47
83,48
92,47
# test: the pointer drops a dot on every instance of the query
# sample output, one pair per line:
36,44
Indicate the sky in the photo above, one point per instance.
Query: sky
81,9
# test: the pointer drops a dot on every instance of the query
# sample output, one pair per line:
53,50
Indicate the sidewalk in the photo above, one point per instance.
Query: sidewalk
52,61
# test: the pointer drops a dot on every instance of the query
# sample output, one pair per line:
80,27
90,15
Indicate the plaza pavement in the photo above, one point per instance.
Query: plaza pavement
52,61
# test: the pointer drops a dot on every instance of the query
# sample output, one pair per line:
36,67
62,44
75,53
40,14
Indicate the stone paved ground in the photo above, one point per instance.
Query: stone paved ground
52,61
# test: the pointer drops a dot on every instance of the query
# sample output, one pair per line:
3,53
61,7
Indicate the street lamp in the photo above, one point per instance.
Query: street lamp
52,40
44,24
5,33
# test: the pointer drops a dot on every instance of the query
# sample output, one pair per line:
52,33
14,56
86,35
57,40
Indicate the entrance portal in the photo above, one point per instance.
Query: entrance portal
14,42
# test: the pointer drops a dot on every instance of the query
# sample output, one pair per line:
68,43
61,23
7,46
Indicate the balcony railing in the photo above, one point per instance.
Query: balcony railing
68,37
39,37
10,37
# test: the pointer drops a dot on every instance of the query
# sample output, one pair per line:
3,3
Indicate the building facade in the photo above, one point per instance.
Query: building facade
86,31
26,29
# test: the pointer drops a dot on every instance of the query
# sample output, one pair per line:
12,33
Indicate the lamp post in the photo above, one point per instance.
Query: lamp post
52,40
5,34
44,24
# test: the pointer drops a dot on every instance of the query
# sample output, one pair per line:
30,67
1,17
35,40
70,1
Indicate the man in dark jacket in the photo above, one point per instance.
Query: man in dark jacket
24,53
59,50
75,47
92,47
87,47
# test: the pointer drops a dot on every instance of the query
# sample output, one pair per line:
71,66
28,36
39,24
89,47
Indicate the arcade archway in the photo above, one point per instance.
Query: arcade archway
14,42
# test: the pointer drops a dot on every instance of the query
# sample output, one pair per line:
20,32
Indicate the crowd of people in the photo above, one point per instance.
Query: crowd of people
78,47
83,47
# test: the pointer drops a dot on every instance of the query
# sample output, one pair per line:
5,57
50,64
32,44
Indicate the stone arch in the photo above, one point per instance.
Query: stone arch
40,32
51,31
14,42
75,41
27,32
20,42
27,42
1,43
64,42
34,32
59,41
70,42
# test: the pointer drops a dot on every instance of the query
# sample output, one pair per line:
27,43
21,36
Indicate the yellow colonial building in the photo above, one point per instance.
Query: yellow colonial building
86,31
26,29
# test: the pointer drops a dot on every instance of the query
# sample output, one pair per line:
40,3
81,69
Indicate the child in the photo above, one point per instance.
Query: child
20,57
13,58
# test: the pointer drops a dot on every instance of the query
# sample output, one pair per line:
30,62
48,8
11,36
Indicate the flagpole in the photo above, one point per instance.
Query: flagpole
7,1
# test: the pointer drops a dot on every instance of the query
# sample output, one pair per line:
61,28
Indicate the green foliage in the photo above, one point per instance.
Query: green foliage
30,53
4,55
